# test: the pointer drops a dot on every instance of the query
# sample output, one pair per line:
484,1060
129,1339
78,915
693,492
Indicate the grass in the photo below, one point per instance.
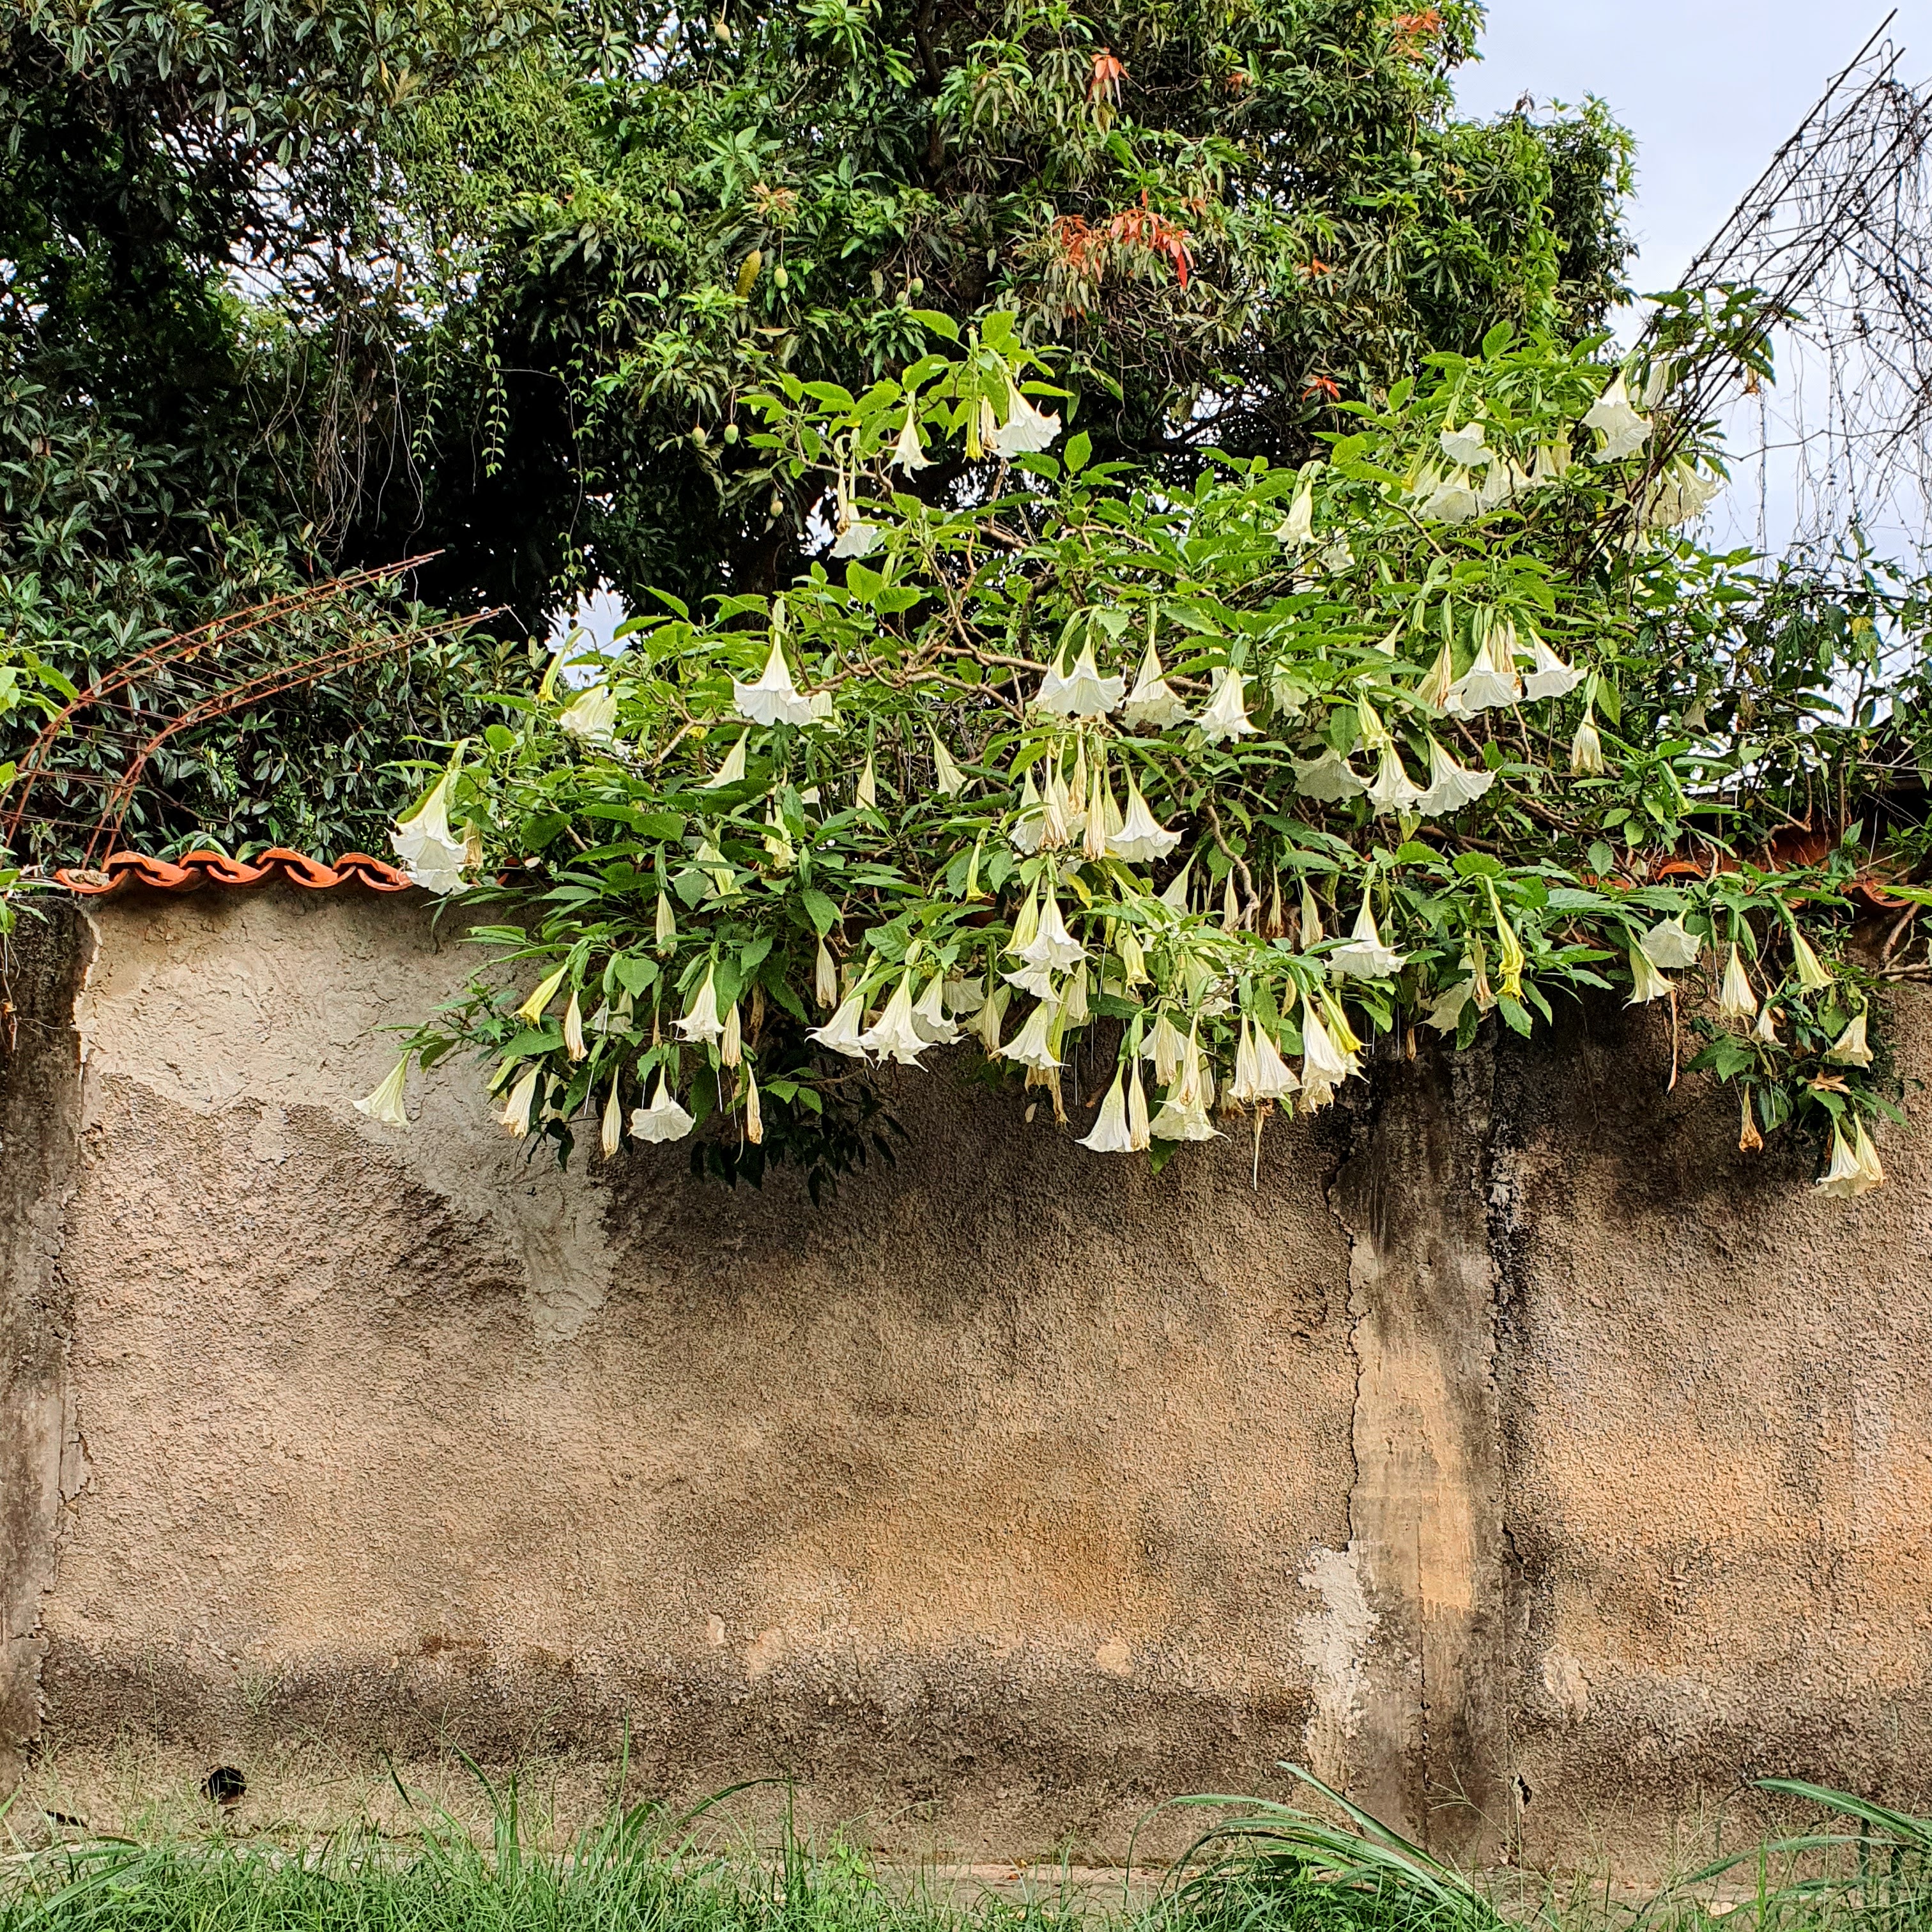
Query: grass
1254,1868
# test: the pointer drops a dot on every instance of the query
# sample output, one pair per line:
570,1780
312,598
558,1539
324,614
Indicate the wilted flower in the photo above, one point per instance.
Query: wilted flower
1850,1048
1032,1046
1026,430
1750,1140
1142,838
1586,749
702,1023
663,1120
1446,1015
1153,700
732,771
610,1136
1624,431
573,1029
754,1114
1452,501
516,1114
422,841
1225,716
1392,789
952,779
385,1105
1812,977
1735,999
908,453
1434,689
1451,787
774,699
1365,957
840,1032
1669,945
1329,777
1647,982
1083,692
590,714
1548,676
1110,1133
532,1008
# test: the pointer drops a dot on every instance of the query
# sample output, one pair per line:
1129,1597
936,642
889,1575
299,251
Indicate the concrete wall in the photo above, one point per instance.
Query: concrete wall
1516,1454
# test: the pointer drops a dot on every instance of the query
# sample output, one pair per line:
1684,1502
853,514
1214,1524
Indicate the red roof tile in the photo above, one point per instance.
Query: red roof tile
195,869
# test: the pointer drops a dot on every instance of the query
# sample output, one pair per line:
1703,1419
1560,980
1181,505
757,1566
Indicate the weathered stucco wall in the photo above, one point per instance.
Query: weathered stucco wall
1515,1454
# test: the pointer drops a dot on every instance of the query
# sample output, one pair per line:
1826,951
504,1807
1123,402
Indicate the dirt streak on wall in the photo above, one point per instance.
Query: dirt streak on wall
39,1462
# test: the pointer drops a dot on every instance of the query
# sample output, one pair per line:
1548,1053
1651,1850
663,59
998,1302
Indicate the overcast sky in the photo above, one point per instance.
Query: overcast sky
1710,88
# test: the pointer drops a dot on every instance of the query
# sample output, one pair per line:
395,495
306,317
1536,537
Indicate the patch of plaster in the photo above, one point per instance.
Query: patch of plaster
1334,1642
228,1002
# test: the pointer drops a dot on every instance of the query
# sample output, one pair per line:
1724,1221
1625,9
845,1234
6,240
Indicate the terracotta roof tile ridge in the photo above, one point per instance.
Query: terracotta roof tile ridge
193,870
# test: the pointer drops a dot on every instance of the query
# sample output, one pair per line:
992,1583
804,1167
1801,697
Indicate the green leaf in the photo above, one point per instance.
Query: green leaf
1079,453
823,912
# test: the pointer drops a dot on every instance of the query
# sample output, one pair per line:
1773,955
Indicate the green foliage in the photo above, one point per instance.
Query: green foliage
1226,218
917,797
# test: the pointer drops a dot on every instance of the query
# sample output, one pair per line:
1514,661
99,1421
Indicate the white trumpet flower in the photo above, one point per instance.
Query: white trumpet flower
667,921
1855,1168
866,793
1364,956
516,1114
985,1024
895,1037
1296,529
573,1029
611,1134
1111,1134
951,779
1032,1046
1083,692
1548,676
1466,446
1323,1063
1446,1015
1586,749
825,979
908,452
732,771
1027,430
857,538
1812,977
702,1023
1850,1048
1225,716
534,1008
840,1032
1141,838
1029,824
590,714
1153,701
1392,790
1451,786
1647,982
1624,431
774,699
1166,1046
1668,945
1735,999
731,1042
432,858
1329,777
663,1120
929,1018
1553,461
1489,683
385,1105
1452,500
1434,689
